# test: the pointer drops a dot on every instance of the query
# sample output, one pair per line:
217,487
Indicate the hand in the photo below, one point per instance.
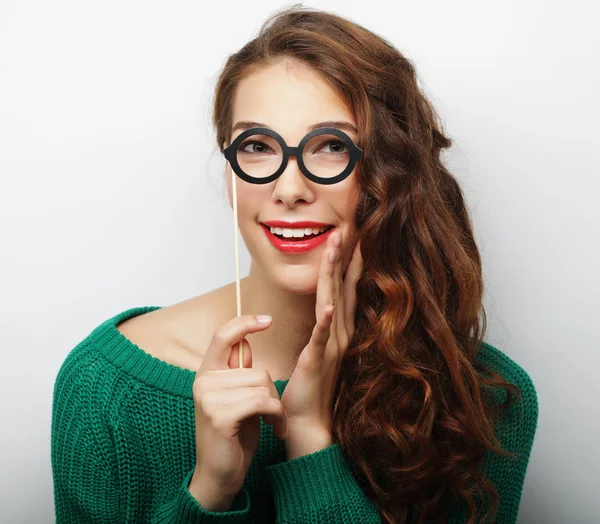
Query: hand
227,403
308,395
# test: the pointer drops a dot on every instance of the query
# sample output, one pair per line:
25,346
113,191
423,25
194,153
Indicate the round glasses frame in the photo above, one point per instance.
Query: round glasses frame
230,153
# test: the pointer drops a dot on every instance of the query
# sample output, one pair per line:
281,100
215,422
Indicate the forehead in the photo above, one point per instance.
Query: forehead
288,99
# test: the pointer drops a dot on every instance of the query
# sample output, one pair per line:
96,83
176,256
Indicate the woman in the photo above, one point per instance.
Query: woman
388,407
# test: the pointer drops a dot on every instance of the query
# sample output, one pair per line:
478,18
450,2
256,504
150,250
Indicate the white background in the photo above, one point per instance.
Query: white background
111,196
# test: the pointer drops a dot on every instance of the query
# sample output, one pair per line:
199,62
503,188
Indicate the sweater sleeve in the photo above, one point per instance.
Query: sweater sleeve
86,490
517,436
185,509
87,487
319,487
516,433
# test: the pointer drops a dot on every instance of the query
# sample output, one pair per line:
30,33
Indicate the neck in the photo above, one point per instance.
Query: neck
277,348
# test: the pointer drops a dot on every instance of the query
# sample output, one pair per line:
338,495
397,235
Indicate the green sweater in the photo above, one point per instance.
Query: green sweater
123,447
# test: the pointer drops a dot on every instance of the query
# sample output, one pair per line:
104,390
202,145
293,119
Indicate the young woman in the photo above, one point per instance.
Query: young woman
388,406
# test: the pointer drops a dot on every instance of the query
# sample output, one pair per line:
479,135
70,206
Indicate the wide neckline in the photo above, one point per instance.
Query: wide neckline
132,359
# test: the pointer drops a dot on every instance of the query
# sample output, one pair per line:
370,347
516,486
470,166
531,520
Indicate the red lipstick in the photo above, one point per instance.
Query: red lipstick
295,246
292,225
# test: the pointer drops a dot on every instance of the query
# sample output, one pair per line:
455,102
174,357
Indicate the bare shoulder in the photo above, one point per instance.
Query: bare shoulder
180,333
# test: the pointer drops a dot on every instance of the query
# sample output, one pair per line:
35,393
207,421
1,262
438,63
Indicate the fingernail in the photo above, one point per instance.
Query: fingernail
331,256
264,319
337,241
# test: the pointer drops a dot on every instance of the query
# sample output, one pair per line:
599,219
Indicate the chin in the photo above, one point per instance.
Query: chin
296,279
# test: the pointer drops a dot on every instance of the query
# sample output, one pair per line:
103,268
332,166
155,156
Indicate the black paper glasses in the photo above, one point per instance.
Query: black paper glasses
326,155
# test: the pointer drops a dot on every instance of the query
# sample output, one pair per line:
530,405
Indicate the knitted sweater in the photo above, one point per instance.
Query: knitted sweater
123,447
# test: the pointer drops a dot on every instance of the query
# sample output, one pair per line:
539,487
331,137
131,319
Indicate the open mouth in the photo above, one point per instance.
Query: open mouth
302,238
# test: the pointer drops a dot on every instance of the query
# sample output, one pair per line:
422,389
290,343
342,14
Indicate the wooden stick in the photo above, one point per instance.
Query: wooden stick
237,263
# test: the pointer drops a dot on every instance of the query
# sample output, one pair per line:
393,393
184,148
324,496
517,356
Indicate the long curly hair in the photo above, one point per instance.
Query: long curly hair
409,412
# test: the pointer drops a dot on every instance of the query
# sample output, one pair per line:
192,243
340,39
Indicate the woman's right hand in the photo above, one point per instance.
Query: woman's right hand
228,402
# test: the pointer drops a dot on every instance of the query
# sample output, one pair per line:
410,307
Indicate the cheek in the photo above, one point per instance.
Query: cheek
346,200
347,203
250,198
244,192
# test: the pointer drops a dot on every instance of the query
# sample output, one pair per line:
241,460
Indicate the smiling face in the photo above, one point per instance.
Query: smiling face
289,100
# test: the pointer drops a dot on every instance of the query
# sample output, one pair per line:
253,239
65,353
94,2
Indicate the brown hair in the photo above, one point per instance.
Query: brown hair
409,413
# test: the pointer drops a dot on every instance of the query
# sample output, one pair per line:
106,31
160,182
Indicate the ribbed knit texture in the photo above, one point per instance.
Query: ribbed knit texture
123,447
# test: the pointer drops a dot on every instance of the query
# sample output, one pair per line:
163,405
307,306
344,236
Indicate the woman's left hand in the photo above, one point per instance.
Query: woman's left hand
308,396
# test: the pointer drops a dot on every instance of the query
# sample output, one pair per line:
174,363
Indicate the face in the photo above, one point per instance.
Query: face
288,100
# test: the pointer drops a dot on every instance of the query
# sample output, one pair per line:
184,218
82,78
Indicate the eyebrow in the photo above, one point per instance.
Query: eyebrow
339,124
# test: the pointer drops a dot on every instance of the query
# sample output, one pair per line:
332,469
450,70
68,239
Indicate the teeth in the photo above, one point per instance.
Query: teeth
298,233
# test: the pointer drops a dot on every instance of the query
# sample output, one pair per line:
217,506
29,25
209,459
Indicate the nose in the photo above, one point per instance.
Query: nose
292,185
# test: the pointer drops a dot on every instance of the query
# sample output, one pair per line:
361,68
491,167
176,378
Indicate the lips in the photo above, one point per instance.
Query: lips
294,225
296,246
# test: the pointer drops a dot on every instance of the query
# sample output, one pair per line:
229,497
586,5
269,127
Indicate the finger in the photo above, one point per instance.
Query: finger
323,296
339,321
353,273
219,350
232,382
320,334
234,359
240,377
220,398
332,288
237,411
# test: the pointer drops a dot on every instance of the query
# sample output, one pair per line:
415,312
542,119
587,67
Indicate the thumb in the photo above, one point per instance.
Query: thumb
234,359
226,340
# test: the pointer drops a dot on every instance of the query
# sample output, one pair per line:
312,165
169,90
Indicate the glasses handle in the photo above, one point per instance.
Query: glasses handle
237,264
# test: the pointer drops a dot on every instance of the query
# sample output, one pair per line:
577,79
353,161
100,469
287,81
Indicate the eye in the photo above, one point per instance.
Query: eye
261,149
339,147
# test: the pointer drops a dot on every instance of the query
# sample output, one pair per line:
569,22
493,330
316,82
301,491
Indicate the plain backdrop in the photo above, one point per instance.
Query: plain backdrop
111,196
